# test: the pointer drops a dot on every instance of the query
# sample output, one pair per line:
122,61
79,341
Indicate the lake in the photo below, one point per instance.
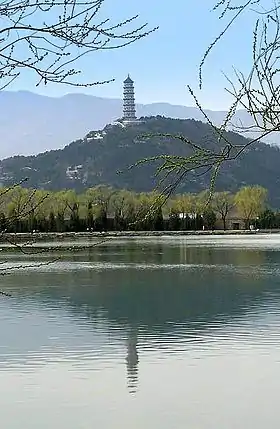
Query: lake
152,333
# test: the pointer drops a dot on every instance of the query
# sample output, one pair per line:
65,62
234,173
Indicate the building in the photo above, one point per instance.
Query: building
129,111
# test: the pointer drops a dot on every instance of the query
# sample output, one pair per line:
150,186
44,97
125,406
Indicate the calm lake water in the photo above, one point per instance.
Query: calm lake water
163,333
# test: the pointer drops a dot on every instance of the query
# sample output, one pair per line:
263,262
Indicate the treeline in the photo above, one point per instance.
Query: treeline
103,208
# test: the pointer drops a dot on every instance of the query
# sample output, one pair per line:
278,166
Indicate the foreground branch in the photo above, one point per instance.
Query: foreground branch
47,38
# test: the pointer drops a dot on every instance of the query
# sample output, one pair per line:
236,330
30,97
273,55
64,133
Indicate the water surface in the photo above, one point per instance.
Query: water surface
143,333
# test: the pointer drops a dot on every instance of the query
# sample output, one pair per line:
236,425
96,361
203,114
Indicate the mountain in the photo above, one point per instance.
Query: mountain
32,123
98,157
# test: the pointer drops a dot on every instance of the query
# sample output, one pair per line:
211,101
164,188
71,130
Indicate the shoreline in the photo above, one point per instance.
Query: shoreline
51,236
33,244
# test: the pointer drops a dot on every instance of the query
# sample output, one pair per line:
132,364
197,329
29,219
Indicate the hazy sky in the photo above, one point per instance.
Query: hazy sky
166,61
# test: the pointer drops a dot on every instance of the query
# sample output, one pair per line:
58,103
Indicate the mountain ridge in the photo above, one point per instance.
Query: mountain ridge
96,159
32,123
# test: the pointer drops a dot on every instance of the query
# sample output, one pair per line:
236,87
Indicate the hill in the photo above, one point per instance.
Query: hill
97,158
32,123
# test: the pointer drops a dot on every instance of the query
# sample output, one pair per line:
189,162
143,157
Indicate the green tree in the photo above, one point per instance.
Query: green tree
149,211
185,205
3,222
90,218
222,203
17,209
157,223
100,198
75,223
122,205
72,202
60,222
209,219
250,202
267,220
52,222
174,223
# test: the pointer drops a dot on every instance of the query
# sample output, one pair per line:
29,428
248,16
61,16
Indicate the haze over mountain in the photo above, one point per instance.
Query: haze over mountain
32,123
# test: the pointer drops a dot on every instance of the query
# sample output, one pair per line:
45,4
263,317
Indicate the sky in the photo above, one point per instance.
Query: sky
165,62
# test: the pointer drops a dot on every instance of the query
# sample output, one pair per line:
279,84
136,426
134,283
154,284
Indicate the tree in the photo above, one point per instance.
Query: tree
36,209
250,202
90,219
267,219
257,91
209,219
72,203
222,203
149,211
157,223
174,220
122,205
99,198
17,207
185,206
47,38
52,222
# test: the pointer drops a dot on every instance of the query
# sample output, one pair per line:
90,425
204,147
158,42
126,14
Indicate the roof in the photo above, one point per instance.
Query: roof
128,80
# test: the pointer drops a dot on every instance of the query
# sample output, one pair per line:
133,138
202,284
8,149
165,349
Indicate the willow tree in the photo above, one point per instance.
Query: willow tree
257,92
250,202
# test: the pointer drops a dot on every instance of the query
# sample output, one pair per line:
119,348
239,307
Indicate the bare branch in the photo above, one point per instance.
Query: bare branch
64,32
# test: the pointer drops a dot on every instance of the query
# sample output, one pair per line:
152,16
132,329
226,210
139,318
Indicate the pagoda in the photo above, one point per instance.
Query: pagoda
129,111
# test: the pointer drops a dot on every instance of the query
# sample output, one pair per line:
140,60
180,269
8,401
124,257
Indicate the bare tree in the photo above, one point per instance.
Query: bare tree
48,37
222,203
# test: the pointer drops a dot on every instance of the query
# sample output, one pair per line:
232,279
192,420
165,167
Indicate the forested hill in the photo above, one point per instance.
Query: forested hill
98,158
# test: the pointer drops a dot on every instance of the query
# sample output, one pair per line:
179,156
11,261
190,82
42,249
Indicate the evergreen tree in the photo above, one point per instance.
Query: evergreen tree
60,222
3,222
101,222
174,223
74,224
157,221
52,224
209,219
90,219
267,220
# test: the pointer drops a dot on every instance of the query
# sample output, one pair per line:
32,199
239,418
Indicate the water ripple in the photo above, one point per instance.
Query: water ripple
140,339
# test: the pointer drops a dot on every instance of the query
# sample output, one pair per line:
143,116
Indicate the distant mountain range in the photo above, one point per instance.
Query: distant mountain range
97,158
32,123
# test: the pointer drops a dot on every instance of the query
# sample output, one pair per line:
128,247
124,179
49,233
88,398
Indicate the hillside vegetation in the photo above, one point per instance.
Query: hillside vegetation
101,155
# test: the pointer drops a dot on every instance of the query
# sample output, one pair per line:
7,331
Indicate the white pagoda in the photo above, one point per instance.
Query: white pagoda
129,111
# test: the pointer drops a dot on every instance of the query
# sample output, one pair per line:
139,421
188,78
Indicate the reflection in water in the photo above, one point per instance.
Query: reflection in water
132,360
186,328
